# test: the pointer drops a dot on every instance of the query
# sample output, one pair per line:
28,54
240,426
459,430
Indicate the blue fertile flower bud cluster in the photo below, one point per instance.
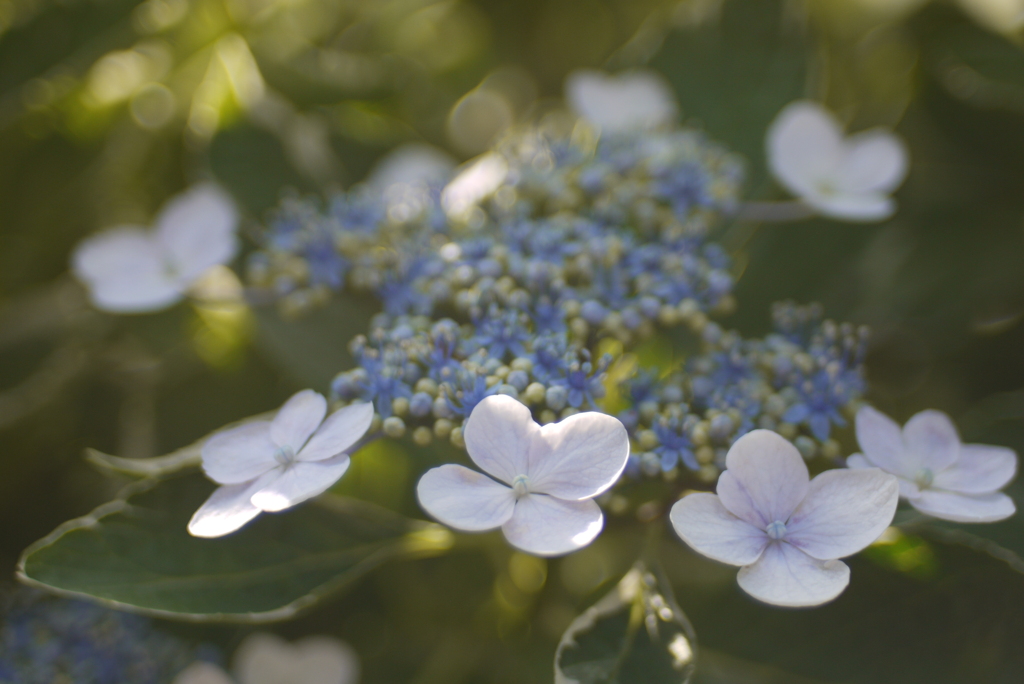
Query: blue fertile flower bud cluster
513,276
800,381
55,640
547,221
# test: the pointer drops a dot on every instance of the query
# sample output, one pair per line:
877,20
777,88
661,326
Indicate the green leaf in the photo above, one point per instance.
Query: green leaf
160,466
134,553
636,634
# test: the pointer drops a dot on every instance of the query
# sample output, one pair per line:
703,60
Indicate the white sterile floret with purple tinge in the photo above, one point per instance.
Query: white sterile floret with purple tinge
135,269
544,478
617,103
848,178
265,658
786,530
938,475
273,465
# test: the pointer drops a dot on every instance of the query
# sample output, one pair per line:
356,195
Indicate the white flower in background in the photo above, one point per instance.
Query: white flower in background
1004,16
629,101
263,658
847,178
274,465
938,475
547,477
134,269
784,529
412,164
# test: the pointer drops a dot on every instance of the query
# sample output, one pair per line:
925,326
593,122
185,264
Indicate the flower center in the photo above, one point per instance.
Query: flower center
827,187
776,530
924,478
284,456
521,486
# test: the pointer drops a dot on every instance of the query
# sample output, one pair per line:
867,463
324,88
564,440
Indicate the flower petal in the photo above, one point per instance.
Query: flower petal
124,271
546,526
227,509
932,441
875,162
709,528
786,576
239,454
872,206
844,511
201,672
804,146
881,440
342,429
300,482
638,100
196,230
297,419
500,434
980,469
465,499
579,457
264,658
765,478
968,508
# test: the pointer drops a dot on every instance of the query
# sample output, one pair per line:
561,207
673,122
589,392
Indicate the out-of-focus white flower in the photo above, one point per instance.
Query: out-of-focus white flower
847,178
263,658
1004,16
937,474
547,477
274,465
133,269
412,164
784,529
629,101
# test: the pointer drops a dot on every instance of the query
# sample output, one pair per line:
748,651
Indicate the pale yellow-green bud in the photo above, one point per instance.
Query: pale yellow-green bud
400,406
534,393
422,436
427,385
699,435
831,449
708,473
442,427
648,439
394,427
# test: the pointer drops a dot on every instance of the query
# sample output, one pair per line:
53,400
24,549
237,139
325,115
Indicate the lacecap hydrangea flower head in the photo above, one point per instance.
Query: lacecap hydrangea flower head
785,530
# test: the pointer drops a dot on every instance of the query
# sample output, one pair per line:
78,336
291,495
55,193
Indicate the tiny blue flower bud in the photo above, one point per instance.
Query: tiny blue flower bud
593,312
442,409
556,397
420,404
721,427
518,379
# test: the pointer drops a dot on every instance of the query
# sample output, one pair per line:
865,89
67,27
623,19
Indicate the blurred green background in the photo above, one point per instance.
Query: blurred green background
108,107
